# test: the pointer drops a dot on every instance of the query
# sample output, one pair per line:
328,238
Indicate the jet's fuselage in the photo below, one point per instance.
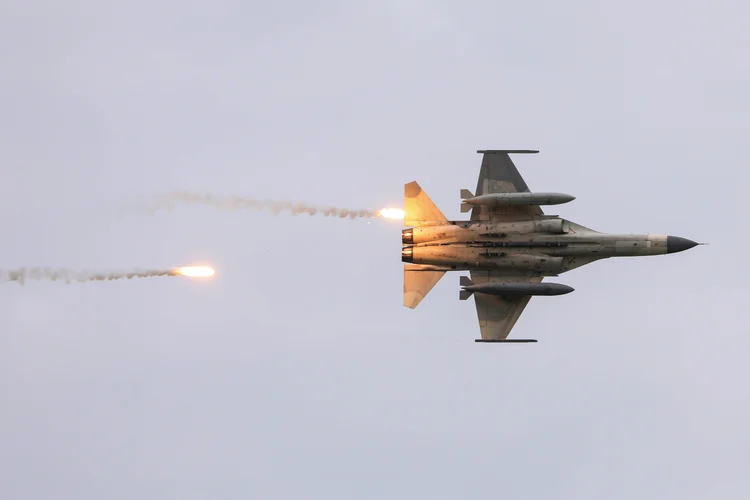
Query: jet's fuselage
542,246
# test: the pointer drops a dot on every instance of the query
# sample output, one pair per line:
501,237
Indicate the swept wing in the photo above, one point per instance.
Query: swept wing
499,174
498,314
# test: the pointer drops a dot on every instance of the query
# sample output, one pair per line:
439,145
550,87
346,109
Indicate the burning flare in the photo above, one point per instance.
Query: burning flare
236,202
38,273
196,271
392,213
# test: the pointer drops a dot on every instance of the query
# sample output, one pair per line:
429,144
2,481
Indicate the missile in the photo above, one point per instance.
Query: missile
509,341
500,199
514,288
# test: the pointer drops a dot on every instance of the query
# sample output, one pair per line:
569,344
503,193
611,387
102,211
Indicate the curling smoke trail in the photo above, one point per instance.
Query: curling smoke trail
236,202
38,273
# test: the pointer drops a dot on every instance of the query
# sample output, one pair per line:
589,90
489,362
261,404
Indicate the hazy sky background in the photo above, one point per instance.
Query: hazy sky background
297,373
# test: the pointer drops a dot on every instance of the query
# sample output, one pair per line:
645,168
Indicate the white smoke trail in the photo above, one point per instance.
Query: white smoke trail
24,274
236,202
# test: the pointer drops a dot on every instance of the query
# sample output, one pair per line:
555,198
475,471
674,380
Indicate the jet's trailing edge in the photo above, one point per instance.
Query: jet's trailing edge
418,284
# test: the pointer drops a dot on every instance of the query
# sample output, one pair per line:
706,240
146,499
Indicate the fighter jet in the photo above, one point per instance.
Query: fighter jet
508,246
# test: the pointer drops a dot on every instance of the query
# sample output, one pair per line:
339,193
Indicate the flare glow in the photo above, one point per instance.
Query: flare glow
392,213
196,271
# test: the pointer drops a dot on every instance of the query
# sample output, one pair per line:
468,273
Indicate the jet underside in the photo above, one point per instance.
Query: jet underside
509,245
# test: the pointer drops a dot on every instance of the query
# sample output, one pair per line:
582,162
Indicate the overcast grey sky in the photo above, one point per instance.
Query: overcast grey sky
297,373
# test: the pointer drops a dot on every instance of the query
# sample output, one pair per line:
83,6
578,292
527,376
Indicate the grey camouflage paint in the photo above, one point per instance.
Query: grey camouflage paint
505,243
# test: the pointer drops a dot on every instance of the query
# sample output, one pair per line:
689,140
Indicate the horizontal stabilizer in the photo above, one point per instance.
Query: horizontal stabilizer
508,151
512,341
418,285
419,208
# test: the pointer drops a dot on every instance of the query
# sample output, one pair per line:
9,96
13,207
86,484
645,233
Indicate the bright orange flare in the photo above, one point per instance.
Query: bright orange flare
196,271
392,213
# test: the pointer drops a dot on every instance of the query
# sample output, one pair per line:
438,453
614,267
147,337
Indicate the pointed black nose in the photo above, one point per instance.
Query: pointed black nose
676,244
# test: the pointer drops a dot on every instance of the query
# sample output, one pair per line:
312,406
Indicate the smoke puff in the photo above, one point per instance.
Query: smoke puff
66,275
236,202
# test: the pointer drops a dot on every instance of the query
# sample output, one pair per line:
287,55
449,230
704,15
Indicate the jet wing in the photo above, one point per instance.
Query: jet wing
498,314
498,174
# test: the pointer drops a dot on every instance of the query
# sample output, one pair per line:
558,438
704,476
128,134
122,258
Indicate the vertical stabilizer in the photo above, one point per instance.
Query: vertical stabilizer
417,284
419,208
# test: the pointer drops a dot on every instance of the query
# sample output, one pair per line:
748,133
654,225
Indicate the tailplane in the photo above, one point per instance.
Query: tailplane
417,284
419,208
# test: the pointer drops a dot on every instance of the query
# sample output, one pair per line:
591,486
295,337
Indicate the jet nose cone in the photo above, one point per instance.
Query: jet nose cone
676,244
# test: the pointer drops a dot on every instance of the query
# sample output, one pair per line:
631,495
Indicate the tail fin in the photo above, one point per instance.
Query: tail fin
465,194
419,208
417,284
465,294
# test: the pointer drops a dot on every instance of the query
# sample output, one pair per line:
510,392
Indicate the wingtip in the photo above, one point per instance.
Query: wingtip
508,151
507,341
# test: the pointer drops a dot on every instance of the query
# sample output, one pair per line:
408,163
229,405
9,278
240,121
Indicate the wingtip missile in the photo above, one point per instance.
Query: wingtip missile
508,151
509,341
